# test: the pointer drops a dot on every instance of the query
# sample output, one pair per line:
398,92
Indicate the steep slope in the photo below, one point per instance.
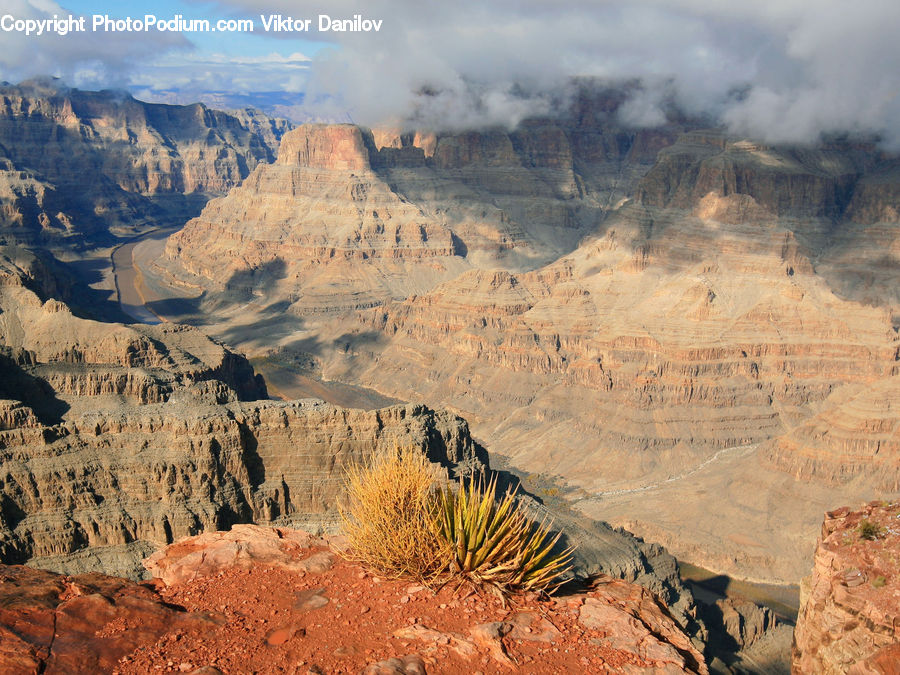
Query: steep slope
101,490
725,297
719,324
350,218
114,438
76,166
301,229
848,621
89,364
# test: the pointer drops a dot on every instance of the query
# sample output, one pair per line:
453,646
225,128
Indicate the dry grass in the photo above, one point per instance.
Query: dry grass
390,518
399,523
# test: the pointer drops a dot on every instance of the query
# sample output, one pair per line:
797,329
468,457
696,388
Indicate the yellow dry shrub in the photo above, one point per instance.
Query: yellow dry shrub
390,518
399,523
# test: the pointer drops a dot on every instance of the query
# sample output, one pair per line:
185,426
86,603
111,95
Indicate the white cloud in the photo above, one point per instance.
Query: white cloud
781,70
82,59
195,74
803,67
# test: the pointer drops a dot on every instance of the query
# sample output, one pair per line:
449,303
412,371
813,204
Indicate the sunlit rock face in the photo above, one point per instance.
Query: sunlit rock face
848,618
78,165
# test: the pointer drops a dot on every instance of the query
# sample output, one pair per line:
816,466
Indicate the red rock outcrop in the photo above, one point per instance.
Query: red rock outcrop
278,596
285,590
82,624
849,620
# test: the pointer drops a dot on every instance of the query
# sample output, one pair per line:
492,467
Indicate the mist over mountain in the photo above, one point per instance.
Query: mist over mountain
777,71
641,258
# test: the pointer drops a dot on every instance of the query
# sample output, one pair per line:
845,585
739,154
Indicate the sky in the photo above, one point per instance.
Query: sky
774,70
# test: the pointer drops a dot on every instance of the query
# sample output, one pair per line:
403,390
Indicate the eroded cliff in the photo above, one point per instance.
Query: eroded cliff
631,311
76,166
849,616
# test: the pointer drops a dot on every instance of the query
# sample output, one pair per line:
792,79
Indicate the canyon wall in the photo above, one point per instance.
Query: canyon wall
349,218
849,617
631,311
76,166
117,439
101,490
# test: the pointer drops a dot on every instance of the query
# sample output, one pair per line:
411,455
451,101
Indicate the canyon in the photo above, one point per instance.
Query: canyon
117,439
685,334
651,317
80,168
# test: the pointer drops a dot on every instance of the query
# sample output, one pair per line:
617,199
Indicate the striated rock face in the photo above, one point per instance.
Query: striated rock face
694,329
781,181
103,489
348,218
339,147
75,164
855,437
269,129
62,376
850,614
300,223
725,311
85,364
637,359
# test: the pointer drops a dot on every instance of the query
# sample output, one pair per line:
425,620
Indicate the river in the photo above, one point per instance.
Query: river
137,296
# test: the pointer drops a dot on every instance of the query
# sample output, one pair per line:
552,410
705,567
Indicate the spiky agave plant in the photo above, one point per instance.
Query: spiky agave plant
495,543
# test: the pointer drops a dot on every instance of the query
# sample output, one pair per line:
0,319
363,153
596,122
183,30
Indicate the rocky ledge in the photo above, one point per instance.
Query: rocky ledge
849,619
282,601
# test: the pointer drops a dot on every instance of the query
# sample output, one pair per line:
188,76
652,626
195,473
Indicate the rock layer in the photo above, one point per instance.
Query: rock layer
347,218
713,307
76,164
88,363
111,486
849,617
